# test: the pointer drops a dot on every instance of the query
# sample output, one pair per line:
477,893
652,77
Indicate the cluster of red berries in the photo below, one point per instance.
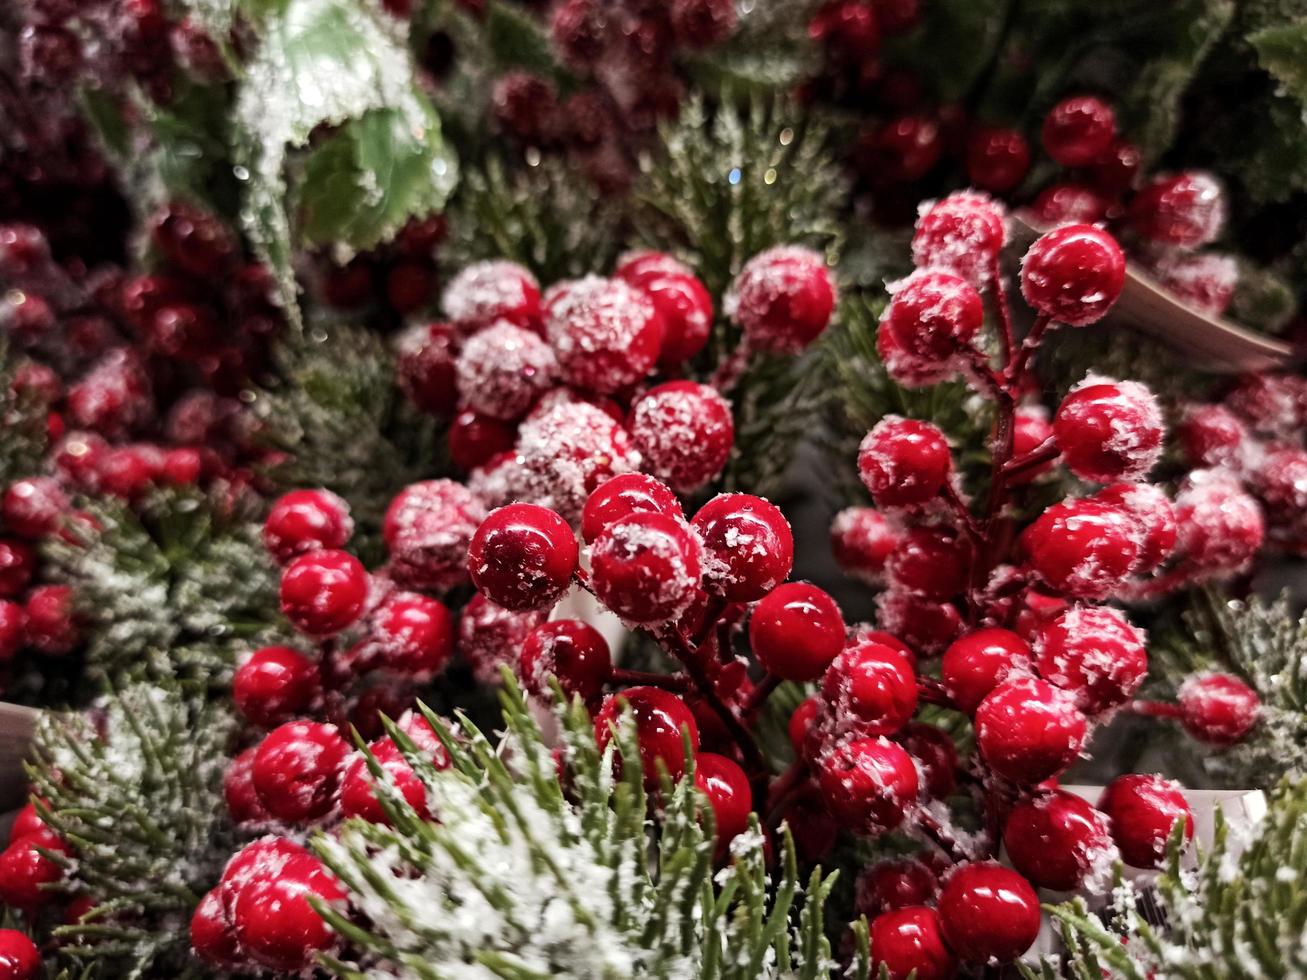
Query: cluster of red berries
398,279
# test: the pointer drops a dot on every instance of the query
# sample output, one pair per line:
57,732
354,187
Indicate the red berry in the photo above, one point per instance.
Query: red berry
1095,654
997,159
1280,480
1084,548
1028,730
796,631
1079,131
276,925
113,398
274,685
897,883
408,286
253,861
962,234
646,567
1143,811
524,105
902,150
304,520
570,650
491,637
51,626
1073,274
684,432
683,303
867,784
783,299
847,28
978,662
323,591
639,265
27,318
605,333
413,635
495,290
578,33
28,823
428,529
910,942
424,367
1109,430
358,788
1067,204
522,557
1212,435
32,507
748,548
936,757
801,723
988,912
194,241
934,315
659,718
568,451
1184,210
908,369
1030,430
925,625
297,770
1059,841
930,562
869,689
1218,708
13,629
729,795
622,496
1220,526
213,940
17,565
904,461
897,16
239,792
503,369
1116,170
1154,515
862,540
1206,281
24,871
183,331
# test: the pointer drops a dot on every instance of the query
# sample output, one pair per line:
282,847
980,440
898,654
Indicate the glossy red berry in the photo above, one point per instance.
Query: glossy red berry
238,790
1059,841
1067,203
896,883
13,629
783,299
727,788
253,861
1073,274
32,507
19,957
796,631
684,432
297,770
930,562
275,685
936,756
861,540
934,315
748,548
28,823
275,923
304,520
1084,548
1143,811
684,305
659,718
413,635
323,591
927,626
962,234
902,150
1220,526
904,461
358,787
1183,210
646,567
978,662
475,439
605,333
1109,430
1218,708
910,942
1079,131
1095,654
801,722
1028,730
997,159
988,912
213,940
1153,514
17,565
522,557
494,290
51,622
424,367
573,652
622,496
25,872
869,689
867,784
502,370
907,368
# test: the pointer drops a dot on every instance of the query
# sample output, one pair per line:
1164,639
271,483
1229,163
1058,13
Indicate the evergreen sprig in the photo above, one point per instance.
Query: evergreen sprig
182,583
136,787
1240,915
22,424
524,876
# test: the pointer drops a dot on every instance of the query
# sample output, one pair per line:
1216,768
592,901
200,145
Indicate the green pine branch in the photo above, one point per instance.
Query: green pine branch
182,583
526,877
136,788
22,424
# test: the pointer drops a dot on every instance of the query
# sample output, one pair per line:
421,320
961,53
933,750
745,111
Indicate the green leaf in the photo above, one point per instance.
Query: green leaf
1282,51
516,39
372,175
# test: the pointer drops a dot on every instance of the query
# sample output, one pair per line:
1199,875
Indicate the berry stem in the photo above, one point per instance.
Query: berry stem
1045,452
1156,709
932,691
785,788
729,372
640,678
759,695
935,832
1017,367
966,519
1004,311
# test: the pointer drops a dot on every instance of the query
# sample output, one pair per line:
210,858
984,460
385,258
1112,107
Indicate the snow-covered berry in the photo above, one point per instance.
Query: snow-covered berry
895,883
684,433
904,461
1059,841
869,689
1095,654
573,652
646,567
1154,514
425,355
1212,435
1109,430
1183,210
1084,548
1206,281
297,770
867,784
491,637
412,635
605,333
930,562
963,234
1073,274
934,315
1079,130
1218,708
427,529
1028,730
748,548
1221,527
304,520
1143,810
274,686
783,299
523,557
494,290
862,539
503,369
276,925
569,451
323,591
